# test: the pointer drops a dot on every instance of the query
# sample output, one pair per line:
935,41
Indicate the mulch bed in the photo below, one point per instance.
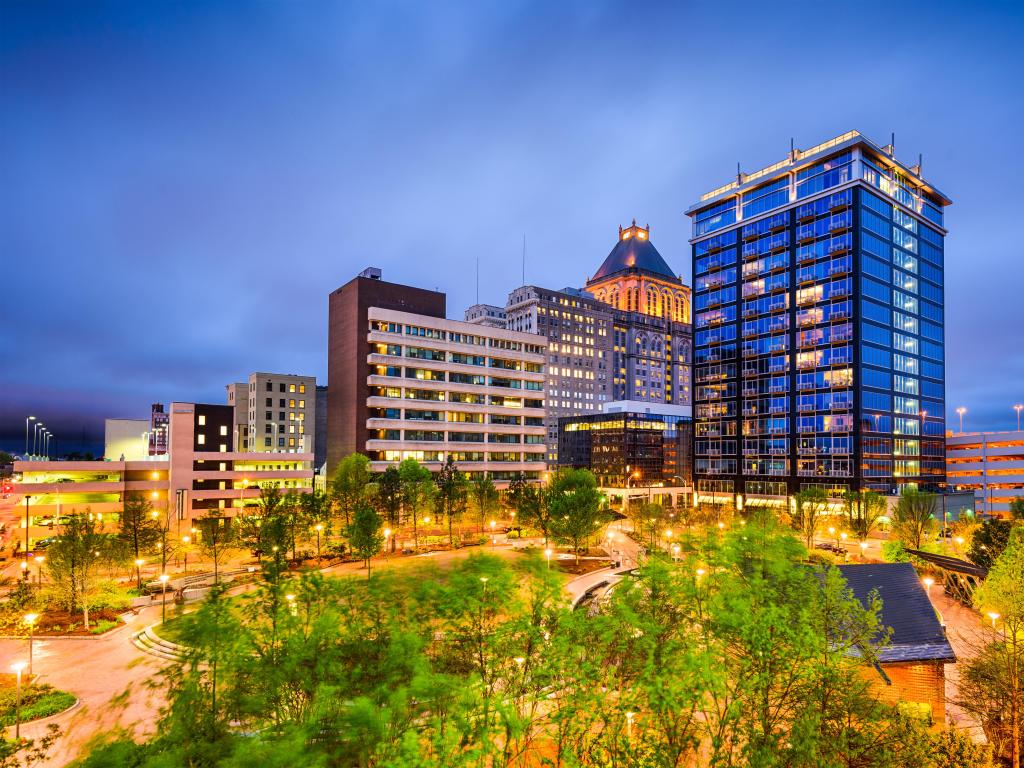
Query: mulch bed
57,622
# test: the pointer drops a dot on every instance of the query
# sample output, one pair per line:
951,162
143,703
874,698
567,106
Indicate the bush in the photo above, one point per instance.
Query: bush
822,558
894,552
102,626
954,749
37,701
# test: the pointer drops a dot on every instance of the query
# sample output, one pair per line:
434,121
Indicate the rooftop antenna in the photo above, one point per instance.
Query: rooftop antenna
892,144
920,164
792,149
739,176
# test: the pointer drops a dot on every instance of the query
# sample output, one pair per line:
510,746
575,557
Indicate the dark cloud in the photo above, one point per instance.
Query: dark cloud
185,183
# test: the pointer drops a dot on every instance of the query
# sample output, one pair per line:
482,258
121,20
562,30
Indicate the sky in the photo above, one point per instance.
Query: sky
183,184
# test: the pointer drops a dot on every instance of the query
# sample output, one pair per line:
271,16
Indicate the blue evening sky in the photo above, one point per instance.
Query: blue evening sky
184,183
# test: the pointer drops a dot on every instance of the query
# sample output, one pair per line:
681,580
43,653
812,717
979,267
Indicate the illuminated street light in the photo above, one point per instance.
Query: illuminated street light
993,616
629,725
138,573
1018,408
30,622
547,554
928,581
960,412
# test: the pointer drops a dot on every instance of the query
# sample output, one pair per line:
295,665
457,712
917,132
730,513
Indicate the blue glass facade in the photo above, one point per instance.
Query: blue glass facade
818,330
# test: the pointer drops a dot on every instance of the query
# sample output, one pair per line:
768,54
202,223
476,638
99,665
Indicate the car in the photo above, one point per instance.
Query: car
828,547
44,543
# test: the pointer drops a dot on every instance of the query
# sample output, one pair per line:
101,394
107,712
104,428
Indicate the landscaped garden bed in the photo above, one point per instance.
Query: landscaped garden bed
37,700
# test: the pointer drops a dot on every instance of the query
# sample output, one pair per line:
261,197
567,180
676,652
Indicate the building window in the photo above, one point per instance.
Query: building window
202,420
201,439
291,387
270,386
291,403
302,389
266,442
281,387
223,430
223,448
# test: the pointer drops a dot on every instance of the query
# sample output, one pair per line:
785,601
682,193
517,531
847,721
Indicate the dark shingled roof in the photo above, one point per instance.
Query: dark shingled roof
634,254
917,634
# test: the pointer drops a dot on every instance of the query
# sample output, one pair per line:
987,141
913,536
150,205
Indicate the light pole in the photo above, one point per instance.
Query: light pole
1018,408
318,527
960,412
993,616
30,418
18,667
387,535
138,573
547,554
30,621
26,535
163,608
928,581
36,429
184,548
39,571
629,725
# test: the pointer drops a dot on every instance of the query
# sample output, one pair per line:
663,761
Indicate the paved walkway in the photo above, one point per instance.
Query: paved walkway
966,633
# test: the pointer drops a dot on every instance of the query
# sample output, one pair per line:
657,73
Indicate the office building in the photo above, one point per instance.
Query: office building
431,388
990,464
486,314
818,322
348,365
320,421
158,426
652,337
636,450
578,329
274,412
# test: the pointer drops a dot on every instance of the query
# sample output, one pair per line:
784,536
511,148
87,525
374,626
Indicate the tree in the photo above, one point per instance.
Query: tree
417,487
485,497
956,749
862,511
389,498
1017,509
364,534
914,517
989,541
73,558
647,518
217,536
811,504
575,504
316,510
1002,594
451,495
349,484
531,503
5,458
140,528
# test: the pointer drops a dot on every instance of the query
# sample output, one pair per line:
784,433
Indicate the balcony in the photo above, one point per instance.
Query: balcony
805,212
839,246
805,233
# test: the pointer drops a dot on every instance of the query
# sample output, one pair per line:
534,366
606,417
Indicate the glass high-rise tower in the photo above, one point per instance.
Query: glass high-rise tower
819,327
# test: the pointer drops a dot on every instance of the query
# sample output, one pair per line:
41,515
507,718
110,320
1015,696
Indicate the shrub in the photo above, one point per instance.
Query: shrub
894,552
102,626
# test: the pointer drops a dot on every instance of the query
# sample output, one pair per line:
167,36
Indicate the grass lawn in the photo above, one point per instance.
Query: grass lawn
38,700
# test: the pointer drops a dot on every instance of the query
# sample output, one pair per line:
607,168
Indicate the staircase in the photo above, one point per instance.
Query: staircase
148,641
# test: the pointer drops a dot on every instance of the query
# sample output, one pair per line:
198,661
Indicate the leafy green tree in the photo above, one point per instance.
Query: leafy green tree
72,561
1017,509
811,505
956,749
452,491
914,516
647,520
1002,595
316,510
350,483
532,508
364,534
218,536
417,487
6,458
575,505
485,497
988,541
140,529
862,510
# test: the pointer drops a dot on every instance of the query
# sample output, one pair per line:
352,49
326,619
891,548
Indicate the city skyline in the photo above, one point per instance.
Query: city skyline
418,143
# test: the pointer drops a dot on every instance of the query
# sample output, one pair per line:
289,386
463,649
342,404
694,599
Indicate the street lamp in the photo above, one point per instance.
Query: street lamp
18,667
928,581
184,541
387,535
993,616
25,564
629,725
138,573
863,549
163,582
291,604
318,528
39,572
1018,408
30,621
547,554
961,411
30,418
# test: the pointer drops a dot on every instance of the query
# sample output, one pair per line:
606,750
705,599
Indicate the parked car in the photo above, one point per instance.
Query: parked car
828,547
44,543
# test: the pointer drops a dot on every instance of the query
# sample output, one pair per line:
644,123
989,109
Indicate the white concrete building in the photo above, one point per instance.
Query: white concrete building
989,463
274,412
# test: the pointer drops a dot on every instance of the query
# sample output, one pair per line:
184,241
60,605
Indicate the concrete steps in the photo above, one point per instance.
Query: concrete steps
148,641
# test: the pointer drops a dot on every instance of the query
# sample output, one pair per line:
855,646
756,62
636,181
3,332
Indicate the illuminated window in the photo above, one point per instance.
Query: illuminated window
202,420
291,387
223,430
201,439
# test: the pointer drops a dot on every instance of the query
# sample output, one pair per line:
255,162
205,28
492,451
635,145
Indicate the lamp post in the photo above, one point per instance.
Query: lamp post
27,497
39,571
1018,408
318,528
629,725
547,554
993,616
928,581
138,573
30,622
18,667
863,550
387,535
30,418
960,412
163,582
184,548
